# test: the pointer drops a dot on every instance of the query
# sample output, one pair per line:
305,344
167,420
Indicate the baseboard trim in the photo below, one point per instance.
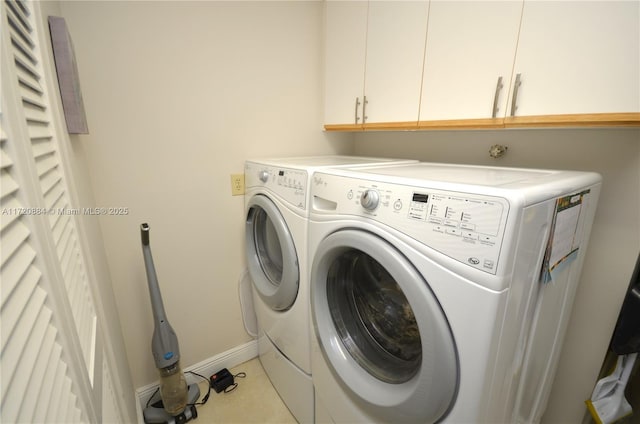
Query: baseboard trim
228,359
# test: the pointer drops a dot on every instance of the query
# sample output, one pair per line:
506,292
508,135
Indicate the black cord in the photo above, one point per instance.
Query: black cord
206,397
154,393
233,386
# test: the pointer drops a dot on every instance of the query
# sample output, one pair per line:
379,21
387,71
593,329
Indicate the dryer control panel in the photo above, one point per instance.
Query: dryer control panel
289,184
467,227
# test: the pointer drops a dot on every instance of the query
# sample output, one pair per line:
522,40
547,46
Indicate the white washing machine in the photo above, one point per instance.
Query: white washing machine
441,293
276,205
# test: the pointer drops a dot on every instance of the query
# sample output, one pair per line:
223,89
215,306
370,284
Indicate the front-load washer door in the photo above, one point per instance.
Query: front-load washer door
382,330
271,254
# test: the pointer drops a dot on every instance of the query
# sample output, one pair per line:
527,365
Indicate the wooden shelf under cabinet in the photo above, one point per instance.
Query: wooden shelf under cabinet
631,119
575,120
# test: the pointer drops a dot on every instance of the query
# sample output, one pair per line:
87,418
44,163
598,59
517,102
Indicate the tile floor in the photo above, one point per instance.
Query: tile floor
253,401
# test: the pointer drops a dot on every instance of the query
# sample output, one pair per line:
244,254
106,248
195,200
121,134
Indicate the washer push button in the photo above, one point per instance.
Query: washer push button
453,231
488,240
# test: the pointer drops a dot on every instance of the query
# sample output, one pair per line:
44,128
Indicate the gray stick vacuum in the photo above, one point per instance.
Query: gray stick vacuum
174,402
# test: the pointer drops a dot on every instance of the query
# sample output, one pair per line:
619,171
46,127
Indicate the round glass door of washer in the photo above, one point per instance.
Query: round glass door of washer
271,255
381,328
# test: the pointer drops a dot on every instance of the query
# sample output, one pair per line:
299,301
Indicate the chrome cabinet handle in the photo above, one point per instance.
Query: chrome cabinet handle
496,96
357,118
364,109
514,99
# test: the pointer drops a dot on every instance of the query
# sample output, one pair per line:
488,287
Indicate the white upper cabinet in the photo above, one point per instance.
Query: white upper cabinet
578,57
403,64
470,46
374,55
345,49
395,55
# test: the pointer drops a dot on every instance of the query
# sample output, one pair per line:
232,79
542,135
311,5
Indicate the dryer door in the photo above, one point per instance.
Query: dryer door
381,328
271,254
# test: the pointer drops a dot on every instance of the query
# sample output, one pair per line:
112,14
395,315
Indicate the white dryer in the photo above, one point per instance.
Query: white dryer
276,205
441,293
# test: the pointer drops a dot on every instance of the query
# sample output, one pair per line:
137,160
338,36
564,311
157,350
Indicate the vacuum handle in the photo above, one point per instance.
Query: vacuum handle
164,343
152,279
144,233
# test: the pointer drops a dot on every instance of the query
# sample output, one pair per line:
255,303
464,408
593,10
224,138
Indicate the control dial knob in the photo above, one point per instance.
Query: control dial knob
370,199
263,176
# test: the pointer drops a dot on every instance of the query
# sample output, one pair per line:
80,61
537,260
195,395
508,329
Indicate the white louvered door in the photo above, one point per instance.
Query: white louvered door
52,185
36,382
52,366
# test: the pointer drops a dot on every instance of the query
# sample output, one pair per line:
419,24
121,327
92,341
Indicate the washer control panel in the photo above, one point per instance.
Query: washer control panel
467,227
287,183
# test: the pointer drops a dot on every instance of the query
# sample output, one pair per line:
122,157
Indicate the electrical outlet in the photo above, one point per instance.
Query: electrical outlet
237,184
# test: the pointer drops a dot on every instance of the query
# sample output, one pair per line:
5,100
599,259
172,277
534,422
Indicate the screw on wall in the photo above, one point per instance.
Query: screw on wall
497,150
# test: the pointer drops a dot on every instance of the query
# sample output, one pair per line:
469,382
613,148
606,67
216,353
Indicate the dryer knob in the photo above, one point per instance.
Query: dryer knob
263,176
370,199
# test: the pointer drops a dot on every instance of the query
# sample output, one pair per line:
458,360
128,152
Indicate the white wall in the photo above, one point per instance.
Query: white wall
615,238
178,95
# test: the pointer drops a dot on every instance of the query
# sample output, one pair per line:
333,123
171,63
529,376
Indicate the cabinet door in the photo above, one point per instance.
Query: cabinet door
578,57
470,44
345,47
395,56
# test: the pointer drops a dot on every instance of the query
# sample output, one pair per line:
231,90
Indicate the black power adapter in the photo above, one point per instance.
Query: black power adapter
221,380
